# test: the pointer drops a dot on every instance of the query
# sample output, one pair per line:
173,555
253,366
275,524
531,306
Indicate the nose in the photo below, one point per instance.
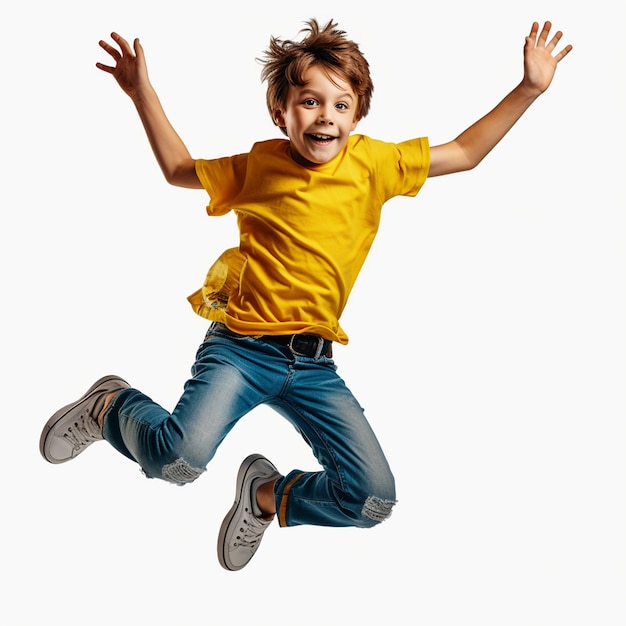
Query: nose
325,118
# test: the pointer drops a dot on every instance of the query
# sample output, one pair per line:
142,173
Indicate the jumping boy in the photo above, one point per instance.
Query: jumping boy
308,208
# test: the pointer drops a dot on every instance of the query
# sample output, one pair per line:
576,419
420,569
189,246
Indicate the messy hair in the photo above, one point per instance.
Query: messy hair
285,63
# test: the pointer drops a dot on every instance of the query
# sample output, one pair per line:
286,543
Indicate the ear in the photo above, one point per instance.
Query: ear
279,118
354,124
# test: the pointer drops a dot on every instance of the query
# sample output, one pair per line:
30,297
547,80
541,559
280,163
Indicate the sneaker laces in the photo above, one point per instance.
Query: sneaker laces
83,433
251,531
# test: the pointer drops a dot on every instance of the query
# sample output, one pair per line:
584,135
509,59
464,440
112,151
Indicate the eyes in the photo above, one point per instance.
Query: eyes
312,103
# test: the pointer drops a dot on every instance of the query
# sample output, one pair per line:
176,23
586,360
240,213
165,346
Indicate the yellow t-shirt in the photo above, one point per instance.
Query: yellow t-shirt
304,231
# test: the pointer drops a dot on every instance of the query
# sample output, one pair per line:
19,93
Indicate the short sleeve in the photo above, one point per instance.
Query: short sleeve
222,179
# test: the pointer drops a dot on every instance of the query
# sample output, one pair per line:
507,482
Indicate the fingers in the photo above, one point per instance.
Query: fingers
110,50
554,41
123,45
105,68
542,40
568,48
138,49
543,36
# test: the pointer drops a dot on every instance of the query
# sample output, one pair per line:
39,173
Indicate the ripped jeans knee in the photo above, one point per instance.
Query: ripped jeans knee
376,510
179,472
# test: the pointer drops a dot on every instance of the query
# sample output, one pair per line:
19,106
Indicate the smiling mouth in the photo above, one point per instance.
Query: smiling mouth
321,139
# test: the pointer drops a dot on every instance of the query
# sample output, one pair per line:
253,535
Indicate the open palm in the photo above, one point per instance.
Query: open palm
539,61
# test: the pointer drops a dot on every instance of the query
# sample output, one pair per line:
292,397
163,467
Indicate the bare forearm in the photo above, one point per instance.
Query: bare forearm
481,137
474,144
169,149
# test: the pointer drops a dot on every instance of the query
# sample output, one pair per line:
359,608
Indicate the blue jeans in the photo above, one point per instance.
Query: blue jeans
233,374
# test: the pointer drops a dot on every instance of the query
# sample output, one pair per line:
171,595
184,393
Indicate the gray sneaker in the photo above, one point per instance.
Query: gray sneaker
75,427
243,527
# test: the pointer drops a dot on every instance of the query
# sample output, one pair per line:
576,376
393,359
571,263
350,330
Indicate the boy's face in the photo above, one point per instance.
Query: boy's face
319,116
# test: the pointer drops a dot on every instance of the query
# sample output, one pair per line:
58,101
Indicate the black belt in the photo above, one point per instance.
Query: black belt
312,346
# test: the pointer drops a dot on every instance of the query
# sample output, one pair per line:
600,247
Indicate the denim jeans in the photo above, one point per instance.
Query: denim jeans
233,374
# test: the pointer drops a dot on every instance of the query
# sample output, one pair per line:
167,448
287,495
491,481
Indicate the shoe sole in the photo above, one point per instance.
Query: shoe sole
61,413
222,548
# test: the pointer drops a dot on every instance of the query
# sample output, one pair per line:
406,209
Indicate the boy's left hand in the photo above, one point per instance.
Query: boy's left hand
539,64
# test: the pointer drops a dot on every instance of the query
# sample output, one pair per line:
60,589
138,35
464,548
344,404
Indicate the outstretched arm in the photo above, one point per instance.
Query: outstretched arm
473,145
131,73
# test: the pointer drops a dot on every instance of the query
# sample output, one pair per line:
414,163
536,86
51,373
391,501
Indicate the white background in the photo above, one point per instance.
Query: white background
487,328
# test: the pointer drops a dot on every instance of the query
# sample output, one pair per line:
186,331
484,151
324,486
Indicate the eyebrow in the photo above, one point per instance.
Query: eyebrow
342,96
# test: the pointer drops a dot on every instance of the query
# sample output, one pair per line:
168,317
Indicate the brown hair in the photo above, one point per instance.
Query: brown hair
285,63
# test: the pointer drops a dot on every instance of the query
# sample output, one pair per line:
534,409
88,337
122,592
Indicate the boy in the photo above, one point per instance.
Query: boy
308,209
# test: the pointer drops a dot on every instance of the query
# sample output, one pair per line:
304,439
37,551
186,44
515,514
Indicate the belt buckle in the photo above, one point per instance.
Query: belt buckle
318,350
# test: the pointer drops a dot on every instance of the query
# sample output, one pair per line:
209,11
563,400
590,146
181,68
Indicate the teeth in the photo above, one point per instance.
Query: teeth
321,137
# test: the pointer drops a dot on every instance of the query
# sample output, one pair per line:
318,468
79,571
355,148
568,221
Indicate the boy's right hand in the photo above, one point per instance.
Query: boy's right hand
130,70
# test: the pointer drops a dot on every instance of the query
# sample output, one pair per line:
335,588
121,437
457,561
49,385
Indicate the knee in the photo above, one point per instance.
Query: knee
378,501
180,472
376,510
